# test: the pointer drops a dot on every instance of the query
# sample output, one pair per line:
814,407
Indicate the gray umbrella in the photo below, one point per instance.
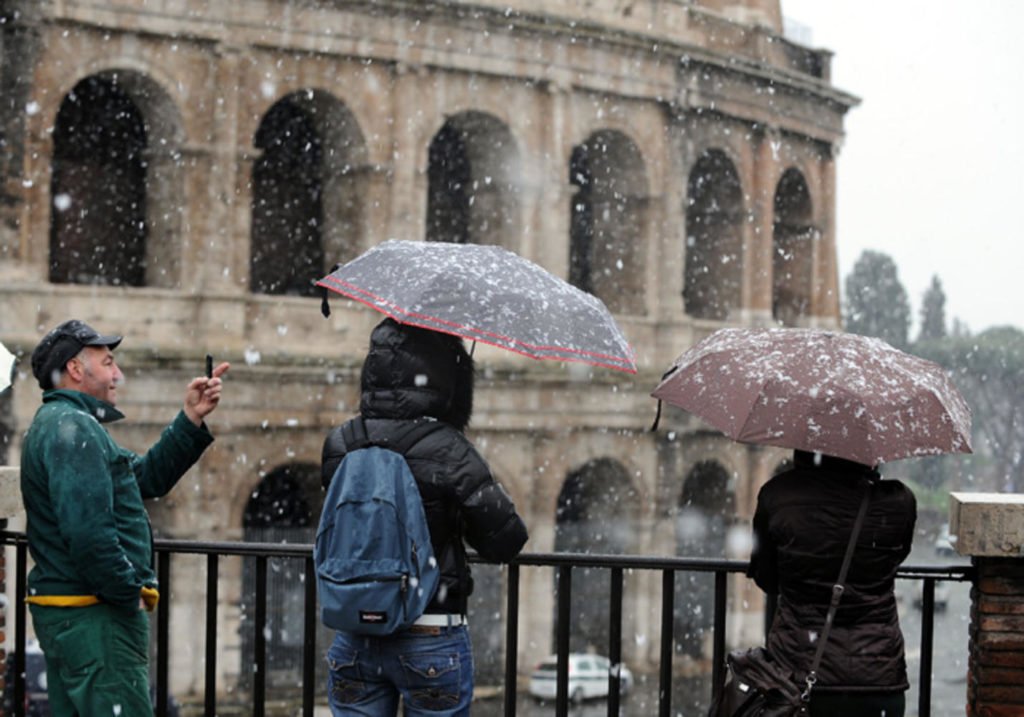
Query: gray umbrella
487,294
841,394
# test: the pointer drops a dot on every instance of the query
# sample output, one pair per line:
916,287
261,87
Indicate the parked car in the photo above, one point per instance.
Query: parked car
944,543
37,702
588,677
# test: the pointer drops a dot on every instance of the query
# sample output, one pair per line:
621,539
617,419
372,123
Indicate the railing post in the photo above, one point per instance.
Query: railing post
718,635
163,623
259,666
309,624
668,599
924,694
20,626
562,639
511,640
212,594
615,641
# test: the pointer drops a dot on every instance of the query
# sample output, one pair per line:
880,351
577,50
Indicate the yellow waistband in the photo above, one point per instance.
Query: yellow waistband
150,597
63,600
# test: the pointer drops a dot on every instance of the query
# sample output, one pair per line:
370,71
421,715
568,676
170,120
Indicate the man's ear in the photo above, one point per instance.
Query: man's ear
74,370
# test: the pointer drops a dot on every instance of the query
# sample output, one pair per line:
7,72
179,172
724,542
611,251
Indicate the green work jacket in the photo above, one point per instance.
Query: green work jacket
88,531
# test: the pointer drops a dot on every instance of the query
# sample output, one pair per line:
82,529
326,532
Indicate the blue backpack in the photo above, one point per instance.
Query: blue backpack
375,565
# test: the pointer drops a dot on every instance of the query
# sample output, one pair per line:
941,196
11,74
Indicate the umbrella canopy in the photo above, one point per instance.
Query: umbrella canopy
487,294
6,366
840,394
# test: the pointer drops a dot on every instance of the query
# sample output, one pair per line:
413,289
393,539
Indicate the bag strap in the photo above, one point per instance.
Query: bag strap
837,593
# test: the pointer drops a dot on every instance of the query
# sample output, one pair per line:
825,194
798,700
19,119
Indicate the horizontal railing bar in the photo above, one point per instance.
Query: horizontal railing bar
956,573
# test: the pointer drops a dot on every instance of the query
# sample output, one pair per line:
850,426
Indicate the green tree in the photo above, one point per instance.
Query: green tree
876,302
989,370
933,312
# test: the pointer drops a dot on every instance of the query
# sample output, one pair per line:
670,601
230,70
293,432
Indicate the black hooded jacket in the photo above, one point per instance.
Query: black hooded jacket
802,524
411,375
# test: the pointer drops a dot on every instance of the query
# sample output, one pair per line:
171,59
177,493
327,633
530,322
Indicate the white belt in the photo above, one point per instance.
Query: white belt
442,620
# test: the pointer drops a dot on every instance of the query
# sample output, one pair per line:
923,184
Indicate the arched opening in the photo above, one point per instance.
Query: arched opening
793,237
284,508
472,174
608,215
287,202
712,284
98,226
597,512
706,508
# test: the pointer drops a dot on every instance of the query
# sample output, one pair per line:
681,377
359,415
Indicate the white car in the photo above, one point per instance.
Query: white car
588,677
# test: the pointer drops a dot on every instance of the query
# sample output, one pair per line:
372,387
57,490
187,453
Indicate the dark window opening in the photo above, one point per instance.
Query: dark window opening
793,238
98,188
287,250
284,508
449,194
714,240
596,513
706,508
607,218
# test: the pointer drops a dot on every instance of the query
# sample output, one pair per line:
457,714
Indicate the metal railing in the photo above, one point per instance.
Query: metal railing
562,563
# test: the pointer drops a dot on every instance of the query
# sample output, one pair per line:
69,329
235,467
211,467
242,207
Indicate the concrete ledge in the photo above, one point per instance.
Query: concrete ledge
10,492
987,524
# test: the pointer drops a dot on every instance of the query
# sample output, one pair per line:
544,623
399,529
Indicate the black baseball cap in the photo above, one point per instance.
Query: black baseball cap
61,345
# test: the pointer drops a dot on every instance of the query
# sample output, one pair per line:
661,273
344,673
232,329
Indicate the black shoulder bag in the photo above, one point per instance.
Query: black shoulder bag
759,686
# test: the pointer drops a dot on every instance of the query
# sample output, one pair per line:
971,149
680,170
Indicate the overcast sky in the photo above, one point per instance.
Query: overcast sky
932,168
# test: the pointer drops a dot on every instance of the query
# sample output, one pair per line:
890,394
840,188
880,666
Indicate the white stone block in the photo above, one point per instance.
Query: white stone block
987,524
10,492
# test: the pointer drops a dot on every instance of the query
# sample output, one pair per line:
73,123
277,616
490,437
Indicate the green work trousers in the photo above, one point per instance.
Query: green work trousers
96,660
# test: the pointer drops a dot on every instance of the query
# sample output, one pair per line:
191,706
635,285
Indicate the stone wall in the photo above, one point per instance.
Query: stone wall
666,83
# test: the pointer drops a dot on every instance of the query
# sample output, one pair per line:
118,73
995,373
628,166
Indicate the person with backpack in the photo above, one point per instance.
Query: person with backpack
416,400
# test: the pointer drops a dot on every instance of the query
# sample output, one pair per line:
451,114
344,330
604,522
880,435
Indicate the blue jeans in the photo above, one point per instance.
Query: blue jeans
433,673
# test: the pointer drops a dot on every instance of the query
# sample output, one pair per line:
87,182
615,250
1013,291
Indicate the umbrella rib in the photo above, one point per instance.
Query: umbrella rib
382,304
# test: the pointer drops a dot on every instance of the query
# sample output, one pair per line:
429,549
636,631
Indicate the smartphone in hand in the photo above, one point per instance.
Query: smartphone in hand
209,366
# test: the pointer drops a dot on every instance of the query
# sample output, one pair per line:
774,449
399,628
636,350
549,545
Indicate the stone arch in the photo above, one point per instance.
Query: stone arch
308,195
116,183
793,239
598,512
473,176
283,508
712,281
607,219
706,506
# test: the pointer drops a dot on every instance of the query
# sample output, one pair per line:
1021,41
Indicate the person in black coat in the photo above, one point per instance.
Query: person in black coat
412,375
802,524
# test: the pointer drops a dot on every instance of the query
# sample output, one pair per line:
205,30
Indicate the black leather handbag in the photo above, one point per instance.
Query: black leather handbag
759,686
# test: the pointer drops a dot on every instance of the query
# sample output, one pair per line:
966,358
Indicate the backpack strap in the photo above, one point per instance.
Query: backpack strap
355,436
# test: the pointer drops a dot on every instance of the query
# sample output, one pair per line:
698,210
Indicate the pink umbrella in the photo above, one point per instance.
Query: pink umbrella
841,394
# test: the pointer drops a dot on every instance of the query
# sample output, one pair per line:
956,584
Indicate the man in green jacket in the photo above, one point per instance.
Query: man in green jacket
88,531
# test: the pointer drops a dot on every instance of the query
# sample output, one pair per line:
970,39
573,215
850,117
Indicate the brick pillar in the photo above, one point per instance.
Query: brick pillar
995,677
990,528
